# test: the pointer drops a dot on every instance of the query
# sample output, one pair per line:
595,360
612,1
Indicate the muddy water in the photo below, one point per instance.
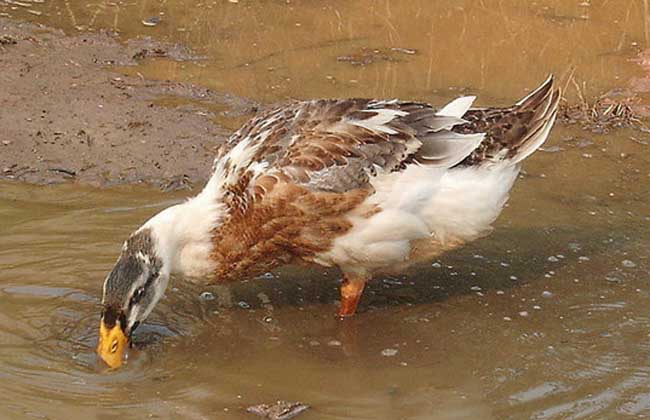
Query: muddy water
547,318
413,49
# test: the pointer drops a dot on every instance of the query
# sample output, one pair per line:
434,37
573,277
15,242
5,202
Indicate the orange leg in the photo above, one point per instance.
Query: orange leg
351,291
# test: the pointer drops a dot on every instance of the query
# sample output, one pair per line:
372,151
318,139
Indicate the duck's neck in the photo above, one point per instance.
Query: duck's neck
183,235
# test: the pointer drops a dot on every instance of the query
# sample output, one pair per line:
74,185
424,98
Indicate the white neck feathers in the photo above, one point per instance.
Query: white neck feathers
183,234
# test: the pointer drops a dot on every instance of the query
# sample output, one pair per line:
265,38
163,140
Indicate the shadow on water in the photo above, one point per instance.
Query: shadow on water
546,318
507,258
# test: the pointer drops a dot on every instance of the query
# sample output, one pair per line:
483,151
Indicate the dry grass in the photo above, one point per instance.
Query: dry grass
599,115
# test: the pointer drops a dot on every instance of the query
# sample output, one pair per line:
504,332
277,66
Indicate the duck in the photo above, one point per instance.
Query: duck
367,186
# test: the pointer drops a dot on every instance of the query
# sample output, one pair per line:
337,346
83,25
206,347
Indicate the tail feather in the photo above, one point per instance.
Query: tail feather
538,95
512,134
539,132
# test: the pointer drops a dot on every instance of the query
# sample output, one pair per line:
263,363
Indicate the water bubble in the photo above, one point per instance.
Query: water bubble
151,21
389,352
574,246
504,264
475,288
547,294
436,265
207,296
334,343
392,282
507,318
513,278
523,314
553,258
243,305
628,264
537,307
500,292
264,298
583,258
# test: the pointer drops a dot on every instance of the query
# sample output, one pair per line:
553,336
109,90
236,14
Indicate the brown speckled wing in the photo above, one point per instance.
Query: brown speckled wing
292,175
338,145
311,166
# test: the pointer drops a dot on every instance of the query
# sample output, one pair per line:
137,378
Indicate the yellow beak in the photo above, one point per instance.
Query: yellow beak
112,344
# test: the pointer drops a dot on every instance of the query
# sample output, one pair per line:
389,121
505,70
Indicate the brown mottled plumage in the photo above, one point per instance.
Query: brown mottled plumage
363,185
509,128
317,173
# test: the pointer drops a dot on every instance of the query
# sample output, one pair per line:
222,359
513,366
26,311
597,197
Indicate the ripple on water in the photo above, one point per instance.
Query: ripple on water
597,367
49,347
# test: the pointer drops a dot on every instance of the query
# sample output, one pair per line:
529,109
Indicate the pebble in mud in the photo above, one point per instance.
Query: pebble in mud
280,410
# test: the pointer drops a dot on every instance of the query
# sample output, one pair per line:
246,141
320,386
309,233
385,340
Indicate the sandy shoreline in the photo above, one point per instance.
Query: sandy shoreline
66,117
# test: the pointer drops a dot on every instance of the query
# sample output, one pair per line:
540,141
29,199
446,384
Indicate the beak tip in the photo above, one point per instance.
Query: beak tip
112,344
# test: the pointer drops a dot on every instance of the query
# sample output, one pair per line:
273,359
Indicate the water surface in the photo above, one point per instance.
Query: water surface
547,318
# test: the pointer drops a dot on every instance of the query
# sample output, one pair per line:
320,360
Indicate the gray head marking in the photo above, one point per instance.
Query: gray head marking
137,264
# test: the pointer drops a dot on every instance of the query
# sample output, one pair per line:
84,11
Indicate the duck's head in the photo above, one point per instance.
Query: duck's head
176,240
131,290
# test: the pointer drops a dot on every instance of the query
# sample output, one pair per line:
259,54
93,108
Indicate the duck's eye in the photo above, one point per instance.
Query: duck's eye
137,295
114,346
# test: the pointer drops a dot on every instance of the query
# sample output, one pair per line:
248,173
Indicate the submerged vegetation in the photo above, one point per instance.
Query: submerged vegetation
601,114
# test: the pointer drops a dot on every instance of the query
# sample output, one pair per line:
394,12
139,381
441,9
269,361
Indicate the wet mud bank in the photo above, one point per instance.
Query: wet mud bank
68,115
76,108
